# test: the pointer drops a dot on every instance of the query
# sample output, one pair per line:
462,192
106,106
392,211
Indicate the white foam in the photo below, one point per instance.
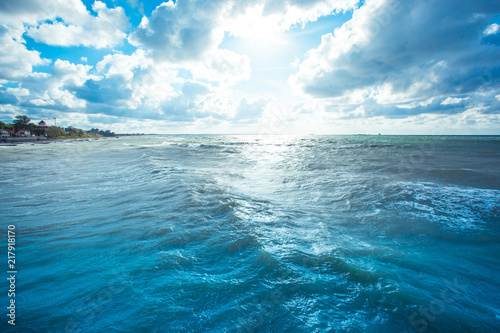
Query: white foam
453,206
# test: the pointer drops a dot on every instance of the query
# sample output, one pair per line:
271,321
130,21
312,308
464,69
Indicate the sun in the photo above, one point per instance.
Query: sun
257,30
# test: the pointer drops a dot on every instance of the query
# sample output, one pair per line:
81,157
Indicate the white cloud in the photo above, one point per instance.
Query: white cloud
16,60
129,86
51,90
121,64
186,30
297,11
104,30
223,66
147,84
64,75
18,92
492,29
180,32
189,30
32,12
65,72
134,86
187,34
398,63
42,102
66,23
453,100
261,23
404,53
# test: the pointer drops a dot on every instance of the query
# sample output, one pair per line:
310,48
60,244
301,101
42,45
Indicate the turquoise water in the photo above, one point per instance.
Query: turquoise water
254,234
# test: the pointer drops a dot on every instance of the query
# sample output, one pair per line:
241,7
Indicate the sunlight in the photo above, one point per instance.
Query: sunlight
257,30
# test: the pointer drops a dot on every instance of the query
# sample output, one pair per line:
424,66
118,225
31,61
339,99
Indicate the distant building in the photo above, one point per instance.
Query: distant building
4,134
41,128
23,133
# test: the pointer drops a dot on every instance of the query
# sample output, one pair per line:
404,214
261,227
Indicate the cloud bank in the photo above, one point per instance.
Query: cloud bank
182,63
400,58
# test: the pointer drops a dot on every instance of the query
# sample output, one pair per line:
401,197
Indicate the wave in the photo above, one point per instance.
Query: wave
307,237
466,177
453,207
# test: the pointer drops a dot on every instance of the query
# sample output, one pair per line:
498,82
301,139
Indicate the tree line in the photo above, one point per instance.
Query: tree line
23,122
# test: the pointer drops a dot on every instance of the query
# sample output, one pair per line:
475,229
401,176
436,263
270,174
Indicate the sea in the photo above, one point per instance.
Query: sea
193,233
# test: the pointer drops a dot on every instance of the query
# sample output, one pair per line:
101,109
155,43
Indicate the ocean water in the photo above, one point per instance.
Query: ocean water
254,234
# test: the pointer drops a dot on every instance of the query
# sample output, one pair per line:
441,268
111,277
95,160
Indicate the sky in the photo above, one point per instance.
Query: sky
253,67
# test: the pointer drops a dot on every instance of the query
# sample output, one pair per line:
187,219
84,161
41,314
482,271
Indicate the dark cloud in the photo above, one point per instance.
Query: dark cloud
110,90
6,97
20,7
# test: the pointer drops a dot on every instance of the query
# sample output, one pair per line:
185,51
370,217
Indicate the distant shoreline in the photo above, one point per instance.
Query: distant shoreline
44,140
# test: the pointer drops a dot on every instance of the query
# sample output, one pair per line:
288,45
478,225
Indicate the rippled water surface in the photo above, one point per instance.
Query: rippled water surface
255,234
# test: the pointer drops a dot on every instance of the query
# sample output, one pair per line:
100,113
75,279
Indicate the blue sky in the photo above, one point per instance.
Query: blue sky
260,67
